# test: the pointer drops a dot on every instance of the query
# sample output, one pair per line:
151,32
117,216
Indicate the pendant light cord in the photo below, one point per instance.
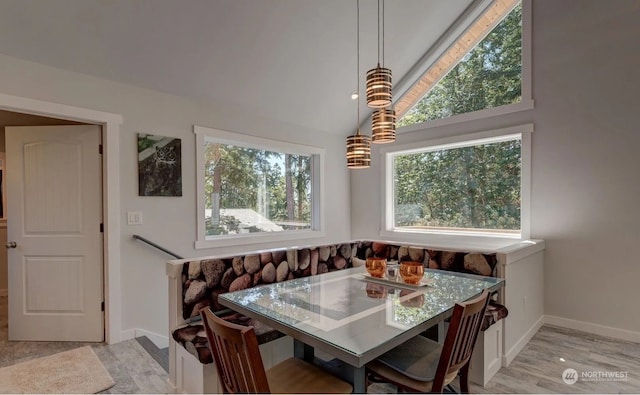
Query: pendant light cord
378,31
382,33
358,66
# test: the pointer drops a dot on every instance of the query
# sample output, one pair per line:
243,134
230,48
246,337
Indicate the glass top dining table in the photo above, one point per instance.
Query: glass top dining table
354,317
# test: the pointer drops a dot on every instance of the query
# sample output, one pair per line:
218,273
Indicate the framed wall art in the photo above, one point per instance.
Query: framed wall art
159,165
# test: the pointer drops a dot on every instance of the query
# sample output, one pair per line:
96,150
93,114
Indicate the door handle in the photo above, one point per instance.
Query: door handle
11,244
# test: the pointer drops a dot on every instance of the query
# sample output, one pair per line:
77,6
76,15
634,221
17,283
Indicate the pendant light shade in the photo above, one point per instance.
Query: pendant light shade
383,126
358,151
379,87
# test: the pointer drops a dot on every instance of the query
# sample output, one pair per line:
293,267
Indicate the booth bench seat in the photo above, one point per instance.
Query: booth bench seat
194,284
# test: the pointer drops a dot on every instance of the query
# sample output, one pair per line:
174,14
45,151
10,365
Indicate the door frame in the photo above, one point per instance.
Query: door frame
110,123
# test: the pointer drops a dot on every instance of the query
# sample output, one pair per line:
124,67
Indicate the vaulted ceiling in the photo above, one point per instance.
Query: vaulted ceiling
289,60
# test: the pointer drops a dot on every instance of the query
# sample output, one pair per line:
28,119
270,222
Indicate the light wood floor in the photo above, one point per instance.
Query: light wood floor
537,369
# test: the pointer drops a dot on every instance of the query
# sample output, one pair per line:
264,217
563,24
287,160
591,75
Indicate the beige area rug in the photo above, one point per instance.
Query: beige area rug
73,371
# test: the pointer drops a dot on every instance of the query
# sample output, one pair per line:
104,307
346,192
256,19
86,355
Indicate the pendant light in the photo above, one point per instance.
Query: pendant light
383,120
358,145
379,80
383,126
358,151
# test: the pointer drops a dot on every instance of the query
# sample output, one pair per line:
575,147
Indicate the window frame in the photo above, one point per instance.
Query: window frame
447,237
317,188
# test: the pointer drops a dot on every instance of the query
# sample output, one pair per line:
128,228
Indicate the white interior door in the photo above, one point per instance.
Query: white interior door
54,215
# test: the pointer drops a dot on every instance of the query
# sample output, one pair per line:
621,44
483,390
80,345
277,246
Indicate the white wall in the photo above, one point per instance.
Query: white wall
585,188
169,221
585,152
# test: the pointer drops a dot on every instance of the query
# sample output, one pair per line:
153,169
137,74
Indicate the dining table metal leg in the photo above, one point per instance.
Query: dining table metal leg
359,380
303,351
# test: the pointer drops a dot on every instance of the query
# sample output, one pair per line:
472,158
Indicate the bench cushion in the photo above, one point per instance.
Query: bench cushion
194,339
494,313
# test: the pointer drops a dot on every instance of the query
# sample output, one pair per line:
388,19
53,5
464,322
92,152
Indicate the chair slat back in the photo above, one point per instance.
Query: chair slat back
462,334
236,355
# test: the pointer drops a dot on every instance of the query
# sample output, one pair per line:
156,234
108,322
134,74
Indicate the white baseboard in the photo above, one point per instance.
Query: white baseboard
4,292
595,329
510,354
127,334
159,340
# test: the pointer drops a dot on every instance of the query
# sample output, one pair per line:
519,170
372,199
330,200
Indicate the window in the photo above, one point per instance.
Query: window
484,68
474,184
255,190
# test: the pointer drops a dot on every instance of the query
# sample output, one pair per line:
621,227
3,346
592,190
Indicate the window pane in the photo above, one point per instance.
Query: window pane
488,76
251,190
470,188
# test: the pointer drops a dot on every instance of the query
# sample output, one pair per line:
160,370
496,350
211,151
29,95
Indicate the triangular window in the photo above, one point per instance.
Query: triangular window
486,76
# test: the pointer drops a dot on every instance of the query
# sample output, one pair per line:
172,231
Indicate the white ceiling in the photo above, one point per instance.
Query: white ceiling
289,60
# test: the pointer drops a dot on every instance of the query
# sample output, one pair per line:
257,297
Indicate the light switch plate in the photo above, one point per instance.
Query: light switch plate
134,217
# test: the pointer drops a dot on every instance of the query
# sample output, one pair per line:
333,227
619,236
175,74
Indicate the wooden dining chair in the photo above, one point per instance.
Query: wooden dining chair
423,365
240,370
